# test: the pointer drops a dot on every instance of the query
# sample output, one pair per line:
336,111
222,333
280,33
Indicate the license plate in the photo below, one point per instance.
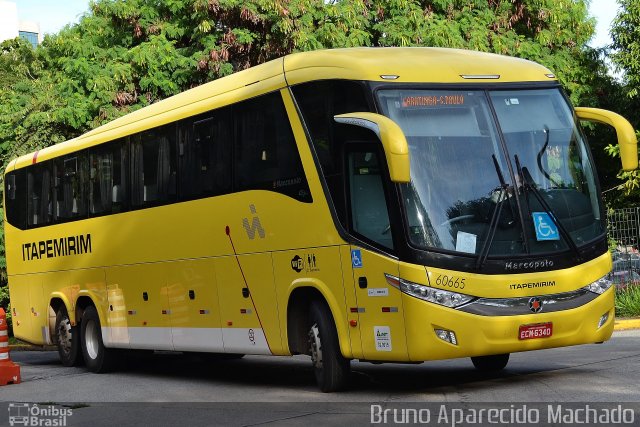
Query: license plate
539,330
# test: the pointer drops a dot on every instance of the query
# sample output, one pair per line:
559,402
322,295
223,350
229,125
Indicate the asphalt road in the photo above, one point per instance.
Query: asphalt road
170,389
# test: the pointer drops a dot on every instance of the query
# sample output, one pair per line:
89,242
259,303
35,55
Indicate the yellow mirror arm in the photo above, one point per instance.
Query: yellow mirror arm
627,140
394,143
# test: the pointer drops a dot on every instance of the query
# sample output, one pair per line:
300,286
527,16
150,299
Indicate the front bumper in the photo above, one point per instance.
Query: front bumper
479,335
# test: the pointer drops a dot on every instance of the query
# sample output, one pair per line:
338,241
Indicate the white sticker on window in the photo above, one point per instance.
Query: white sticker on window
514,101
466,242
383,338
378,292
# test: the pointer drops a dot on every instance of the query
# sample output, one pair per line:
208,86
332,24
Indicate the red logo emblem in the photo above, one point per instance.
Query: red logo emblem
535,304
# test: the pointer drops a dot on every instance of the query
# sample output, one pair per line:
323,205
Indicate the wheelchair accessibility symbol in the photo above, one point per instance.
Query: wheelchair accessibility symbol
356,258
546,229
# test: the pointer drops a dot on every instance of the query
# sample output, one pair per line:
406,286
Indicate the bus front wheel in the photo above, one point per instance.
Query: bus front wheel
330,367
67,339
491,363
96,356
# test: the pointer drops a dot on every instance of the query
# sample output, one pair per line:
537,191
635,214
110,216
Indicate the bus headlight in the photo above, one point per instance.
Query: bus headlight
437,296
600,285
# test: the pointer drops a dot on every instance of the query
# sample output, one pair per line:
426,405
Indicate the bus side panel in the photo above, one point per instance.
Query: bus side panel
118,333
195,312
242,330
351,302
145,296
318,268
381,311
258,270
19,290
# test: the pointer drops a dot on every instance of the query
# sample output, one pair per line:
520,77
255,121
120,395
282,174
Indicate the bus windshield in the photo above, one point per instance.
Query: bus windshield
501,171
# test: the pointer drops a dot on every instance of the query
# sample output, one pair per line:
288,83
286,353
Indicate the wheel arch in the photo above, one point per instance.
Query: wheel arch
58,300
301,293
82,303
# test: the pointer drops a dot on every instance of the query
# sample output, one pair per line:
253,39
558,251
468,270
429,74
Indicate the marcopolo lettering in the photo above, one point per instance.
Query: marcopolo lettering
528,265
53,248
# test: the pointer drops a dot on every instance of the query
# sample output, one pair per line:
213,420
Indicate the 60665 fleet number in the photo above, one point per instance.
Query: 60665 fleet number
450,281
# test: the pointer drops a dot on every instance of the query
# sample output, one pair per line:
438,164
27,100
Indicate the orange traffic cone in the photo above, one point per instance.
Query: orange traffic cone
9,371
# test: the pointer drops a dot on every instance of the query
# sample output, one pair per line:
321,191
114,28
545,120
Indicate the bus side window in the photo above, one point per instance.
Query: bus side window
204,149
39,202
319,102
266,155
369,214
153,169
69,187
15,192
107,186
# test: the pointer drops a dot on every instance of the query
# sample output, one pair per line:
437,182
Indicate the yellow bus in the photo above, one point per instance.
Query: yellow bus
380,204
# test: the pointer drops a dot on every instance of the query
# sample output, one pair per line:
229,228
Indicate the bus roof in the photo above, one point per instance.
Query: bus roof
398,65
411,64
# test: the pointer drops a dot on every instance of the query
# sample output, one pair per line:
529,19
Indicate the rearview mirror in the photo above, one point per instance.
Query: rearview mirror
626,135
394,143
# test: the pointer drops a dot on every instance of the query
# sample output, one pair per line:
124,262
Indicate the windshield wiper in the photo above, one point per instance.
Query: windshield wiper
528,184
495,215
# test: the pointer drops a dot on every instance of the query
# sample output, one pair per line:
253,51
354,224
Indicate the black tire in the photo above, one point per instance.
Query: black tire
96,356
331,369
67,339
491,363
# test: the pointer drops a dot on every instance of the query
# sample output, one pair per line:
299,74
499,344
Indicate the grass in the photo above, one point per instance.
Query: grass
14,340
628,301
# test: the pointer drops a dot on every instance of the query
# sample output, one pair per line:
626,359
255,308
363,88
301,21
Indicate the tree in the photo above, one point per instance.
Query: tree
625,33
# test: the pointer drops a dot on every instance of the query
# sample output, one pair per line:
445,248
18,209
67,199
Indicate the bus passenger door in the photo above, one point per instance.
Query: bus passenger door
380,313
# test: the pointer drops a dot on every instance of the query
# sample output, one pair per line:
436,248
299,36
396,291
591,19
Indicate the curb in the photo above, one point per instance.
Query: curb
626,324
29,347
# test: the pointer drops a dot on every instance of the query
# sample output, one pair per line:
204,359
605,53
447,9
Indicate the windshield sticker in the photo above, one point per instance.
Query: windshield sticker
546,229
466,242
432,101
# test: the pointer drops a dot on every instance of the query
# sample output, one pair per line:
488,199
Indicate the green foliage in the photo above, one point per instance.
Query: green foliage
628,301
625,33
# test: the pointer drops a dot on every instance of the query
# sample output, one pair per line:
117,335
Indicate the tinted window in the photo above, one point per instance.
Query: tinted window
107,185
319,102
369,214
204,147
266,155
153,171
14,195
69,187
193,158
39,197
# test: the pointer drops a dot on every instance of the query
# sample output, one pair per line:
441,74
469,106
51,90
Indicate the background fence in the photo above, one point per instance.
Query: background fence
624,241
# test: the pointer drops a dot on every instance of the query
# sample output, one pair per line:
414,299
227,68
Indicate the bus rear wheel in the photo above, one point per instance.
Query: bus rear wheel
96,356
67,341
491,363
330,367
